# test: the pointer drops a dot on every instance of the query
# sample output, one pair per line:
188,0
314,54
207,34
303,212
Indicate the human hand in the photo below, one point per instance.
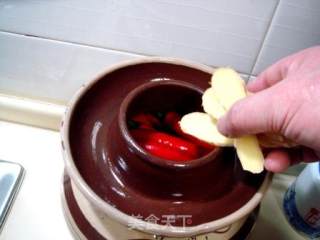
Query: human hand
287,102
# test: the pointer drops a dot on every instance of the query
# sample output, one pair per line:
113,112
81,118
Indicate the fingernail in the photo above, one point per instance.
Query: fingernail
268,164
273,165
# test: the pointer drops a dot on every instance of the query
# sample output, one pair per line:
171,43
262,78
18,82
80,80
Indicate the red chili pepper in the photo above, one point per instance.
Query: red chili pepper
166,153
171,118
165,145
146,120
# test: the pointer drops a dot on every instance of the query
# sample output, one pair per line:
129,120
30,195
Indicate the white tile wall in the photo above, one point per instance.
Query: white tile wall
216,32
51,70
48,69
296,25
76,39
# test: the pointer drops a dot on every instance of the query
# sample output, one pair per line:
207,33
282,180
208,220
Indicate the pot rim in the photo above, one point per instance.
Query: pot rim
132,143
117,214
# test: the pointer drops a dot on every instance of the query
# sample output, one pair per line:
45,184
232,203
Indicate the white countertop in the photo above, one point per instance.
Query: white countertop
37,212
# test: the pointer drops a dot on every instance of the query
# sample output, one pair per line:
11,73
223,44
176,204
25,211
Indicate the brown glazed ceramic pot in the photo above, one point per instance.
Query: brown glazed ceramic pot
121,182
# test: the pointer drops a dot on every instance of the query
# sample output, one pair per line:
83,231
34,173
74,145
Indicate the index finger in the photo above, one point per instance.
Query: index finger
272,75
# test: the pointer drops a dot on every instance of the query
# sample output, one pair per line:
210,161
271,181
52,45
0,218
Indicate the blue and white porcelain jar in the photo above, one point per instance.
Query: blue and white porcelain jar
301,202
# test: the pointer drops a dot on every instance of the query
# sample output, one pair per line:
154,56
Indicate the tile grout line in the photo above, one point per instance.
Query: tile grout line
264,39
96,47
73,43
115,49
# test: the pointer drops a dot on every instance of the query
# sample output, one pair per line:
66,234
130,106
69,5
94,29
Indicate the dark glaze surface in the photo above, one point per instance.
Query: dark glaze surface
138,187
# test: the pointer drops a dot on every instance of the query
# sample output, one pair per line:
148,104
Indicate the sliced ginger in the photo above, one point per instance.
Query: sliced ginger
249,153
227,88
211,104
203,126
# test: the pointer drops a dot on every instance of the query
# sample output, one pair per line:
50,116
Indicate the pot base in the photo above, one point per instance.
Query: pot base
82,229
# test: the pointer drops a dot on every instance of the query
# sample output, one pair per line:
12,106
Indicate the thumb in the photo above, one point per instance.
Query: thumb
252,115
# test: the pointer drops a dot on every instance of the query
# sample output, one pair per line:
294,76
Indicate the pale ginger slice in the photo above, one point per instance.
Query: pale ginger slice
203,127
211,104
229,87
249,153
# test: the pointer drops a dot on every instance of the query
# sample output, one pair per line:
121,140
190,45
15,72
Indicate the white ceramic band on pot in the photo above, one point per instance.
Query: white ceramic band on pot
111,229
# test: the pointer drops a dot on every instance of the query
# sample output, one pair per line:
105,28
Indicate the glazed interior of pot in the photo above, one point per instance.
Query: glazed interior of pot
158,98
117,174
